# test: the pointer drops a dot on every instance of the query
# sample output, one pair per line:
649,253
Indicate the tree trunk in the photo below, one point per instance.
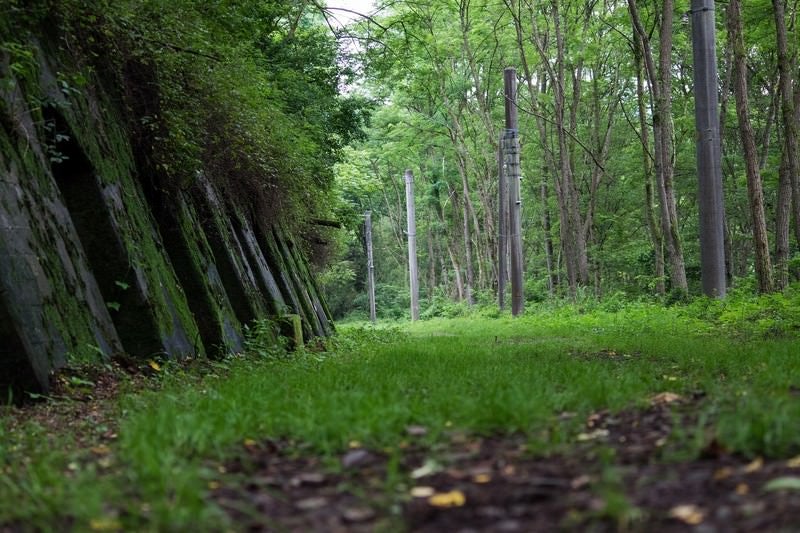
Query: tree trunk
782,223
650,218
660,87
754,190
552,276
790,147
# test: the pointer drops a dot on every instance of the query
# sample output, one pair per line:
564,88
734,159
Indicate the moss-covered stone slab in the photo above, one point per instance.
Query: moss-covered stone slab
284,278
191,256
234,270
92,165
298,281
258,263
310,285
51,309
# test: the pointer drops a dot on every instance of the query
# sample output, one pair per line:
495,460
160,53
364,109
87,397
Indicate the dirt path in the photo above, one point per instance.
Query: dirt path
615,478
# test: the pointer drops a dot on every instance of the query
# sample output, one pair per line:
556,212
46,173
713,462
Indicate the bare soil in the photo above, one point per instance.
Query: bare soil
619,477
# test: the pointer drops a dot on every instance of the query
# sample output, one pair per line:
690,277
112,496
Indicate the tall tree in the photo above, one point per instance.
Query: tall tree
754,188
660,82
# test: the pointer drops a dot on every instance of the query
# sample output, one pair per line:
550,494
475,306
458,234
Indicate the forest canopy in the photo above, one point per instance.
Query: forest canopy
246,91
609,179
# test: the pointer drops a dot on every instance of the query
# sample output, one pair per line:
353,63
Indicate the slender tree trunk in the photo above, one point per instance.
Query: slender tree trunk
782,223
459,284
552,276
660,88
467,244
533,92
458,214
573,240
754,189
431,261
723,114
790,146
647,167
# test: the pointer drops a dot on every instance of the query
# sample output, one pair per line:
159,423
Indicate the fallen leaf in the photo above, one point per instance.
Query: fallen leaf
665,398
422,492
357,514
308,478
213,485
580,482
482,478
593,419
155,366
742,489
754,466
309,504
355,457
429,467
783,483
454,498
688,514
354,444
593,435
723,473
249,443
105,524
101,449
416,431
794,462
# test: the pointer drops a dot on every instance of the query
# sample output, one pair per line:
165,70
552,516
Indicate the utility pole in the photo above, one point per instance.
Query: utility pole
709,172
370,265
512,173
412,245
502,228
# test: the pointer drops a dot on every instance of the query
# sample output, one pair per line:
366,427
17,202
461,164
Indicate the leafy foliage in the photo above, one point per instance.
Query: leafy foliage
247,92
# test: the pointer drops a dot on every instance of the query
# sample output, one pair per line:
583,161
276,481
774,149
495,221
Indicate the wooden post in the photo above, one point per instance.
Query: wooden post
709,172
511,150
370,265
412,245
502,217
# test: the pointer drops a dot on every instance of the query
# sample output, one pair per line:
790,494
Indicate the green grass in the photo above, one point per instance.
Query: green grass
473,374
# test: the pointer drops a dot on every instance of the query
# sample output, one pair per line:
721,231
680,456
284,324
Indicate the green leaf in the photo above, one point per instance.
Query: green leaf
783,483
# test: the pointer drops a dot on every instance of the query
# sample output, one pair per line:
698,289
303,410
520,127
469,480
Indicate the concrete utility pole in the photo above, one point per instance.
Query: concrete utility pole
502,228
412,245
370,265
511,151
709,172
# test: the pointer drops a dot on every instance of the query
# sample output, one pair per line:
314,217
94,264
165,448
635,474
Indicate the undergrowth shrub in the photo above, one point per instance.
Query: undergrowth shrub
262,339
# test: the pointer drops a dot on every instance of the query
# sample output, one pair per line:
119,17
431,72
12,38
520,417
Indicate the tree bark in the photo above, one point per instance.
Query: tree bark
660,87
754,190
647,171
790,146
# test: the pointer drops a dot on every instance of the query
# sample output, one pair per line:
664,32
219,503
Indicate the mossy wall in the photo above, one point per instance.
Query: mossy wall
95,261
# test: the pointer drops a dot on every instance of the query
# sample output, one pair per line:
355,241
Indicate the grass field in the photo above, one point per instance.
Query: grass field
482,376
